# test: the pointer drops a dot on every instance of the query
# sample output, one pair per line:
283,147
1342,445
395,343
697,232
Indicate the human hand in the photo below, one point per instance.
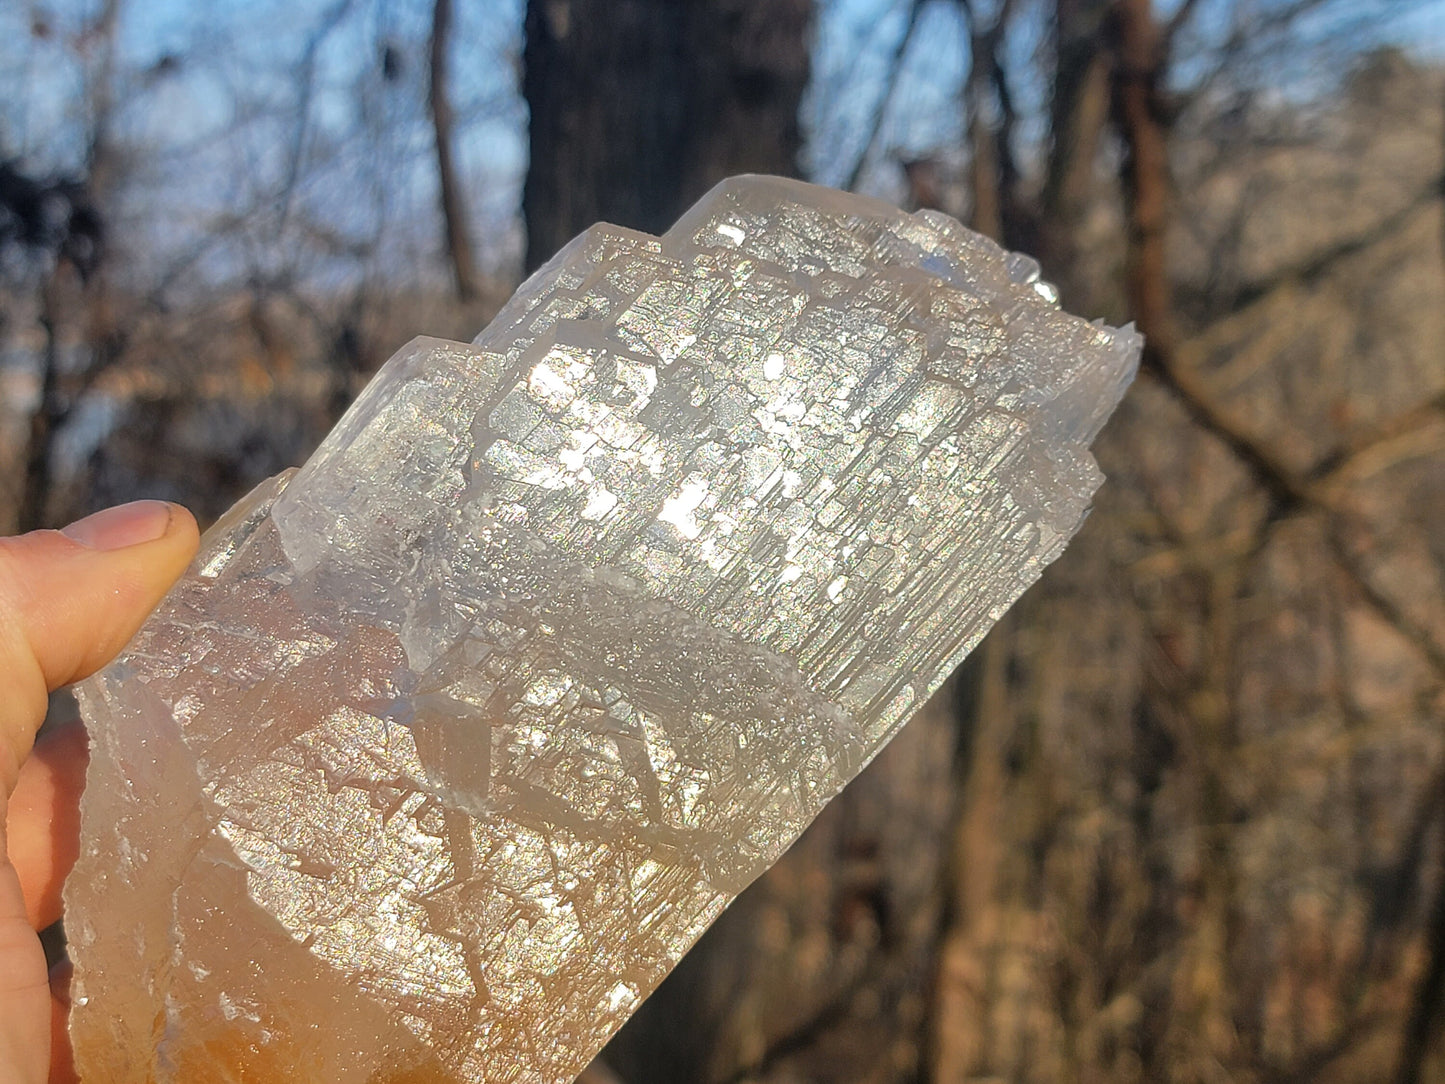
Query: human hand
69,601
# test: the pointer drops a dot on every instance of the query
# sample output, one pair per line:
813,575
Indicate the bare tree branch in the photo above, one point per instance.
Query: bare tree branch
301,129
1178,21
1246,34
1317,263
885,96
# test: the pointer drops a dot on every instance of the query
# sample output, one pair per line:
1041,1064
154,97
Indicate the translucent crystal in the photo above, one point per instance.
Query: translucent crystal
453,741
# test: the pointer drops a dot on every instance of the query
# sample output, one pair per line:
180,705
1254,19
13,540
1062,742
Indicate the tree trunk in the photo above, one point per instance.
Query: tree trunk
983,140
1140,117
1079,112
639,106
453,202
993,173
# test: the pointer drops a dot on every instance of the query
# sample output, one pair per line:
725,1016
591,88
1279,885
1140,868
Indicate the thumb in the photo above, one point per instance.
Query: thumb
69,601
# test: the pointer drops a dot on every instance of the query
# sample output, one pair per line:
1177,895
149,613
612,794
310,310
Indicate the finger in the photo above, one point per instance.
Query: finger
25,1013
69,601
44,826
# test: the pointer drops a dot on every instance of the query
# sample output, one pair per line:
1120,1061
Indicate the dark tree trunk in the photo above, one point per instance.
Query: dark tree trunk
453,203
993,173
639,106
1141,119
1079,112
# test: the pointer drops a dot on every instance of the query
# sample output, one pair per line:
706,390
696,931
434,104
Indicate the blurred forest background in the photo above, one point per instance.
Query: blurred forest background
1182,816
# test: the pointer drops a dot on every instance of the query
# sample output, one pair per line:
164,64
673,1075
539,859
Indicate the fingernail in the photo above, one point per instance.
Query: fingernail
121,526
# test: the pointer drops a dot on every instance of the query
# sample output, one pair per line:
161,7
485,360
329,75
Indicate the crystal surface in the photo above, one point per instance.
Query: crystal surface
453,741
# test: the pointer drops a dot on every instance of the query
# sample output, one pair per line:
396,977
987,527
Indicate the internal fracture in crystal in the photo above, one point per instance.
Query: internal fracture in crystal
453,741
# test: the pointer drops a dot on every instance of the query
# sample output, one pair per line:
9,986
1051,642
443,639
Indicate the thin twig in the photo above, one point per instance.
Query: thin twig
885,97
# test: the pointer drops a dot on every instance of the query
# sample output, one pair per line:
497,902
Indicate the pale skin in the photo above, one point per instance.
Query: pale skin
69,601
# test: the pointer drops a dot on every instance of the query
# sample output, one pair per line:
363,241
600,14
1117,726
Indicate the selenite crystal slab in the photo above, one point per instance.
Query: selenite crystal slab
453,741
